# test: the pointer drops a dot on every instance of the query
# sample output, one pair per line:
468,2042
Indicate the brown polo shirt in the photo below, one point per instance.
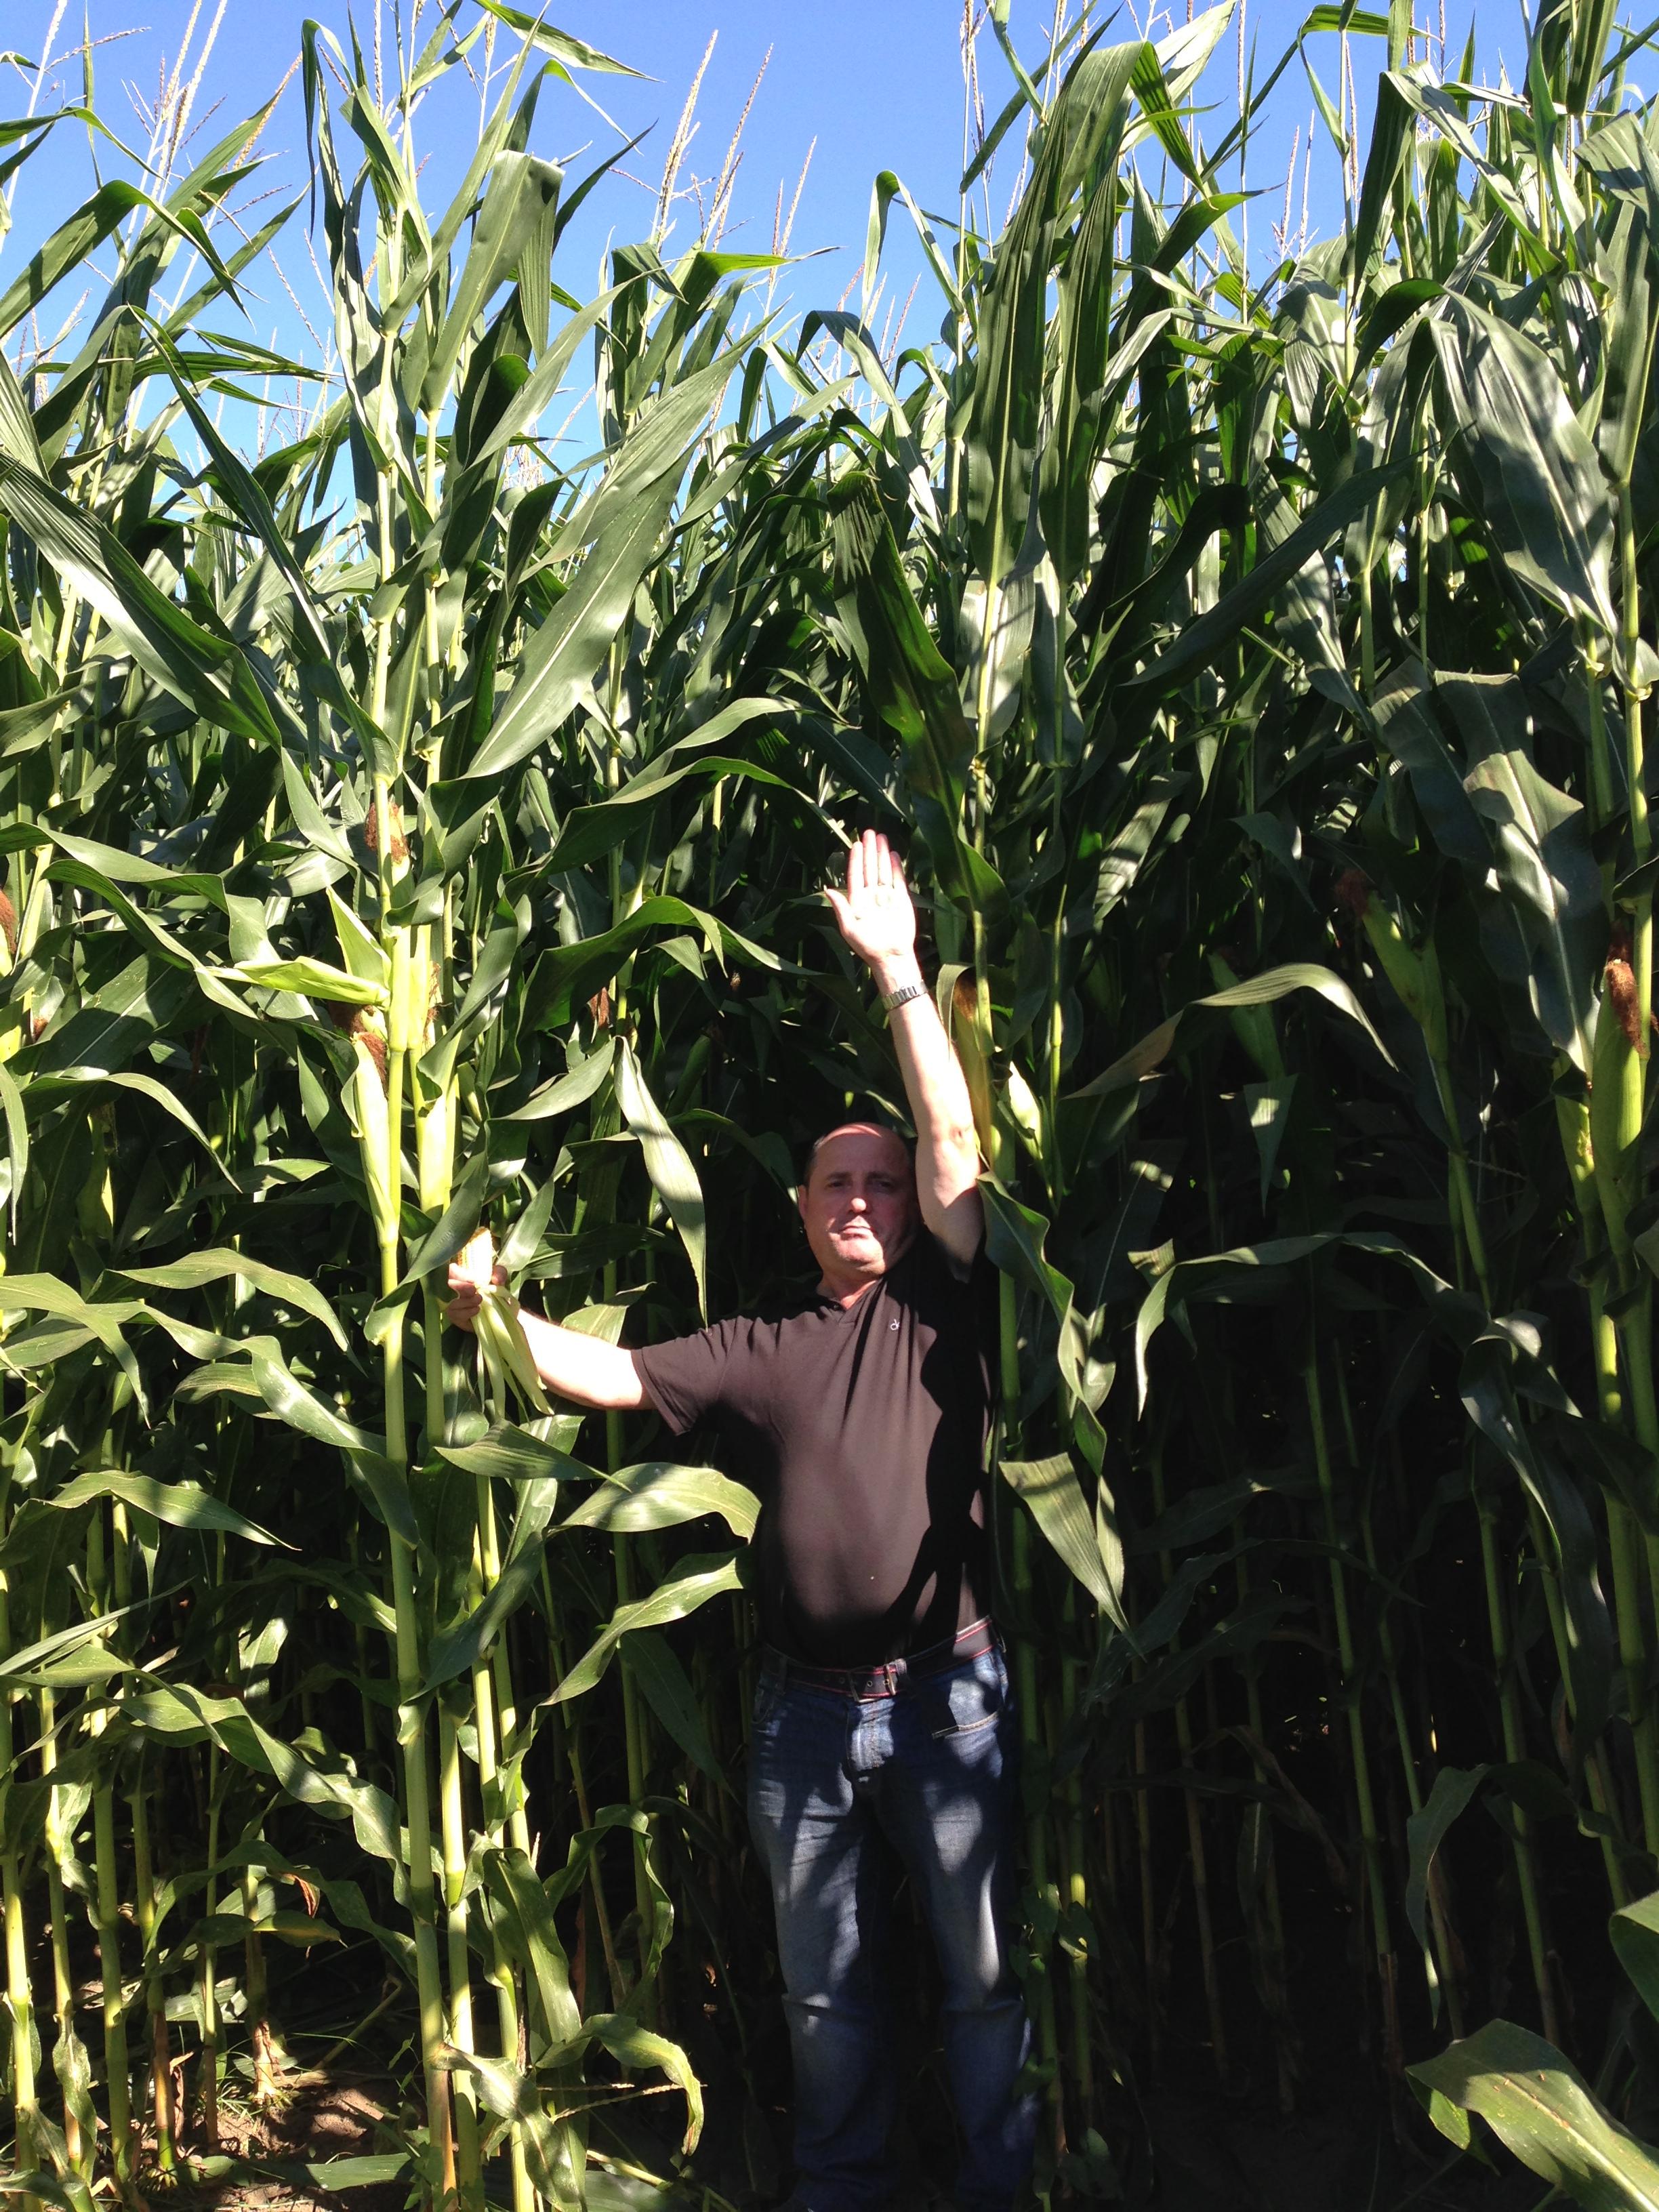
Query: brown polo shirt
862,1429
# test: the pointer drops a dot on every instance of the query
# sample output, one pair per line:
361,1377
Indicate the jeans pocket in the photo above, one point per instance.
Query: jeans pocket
971,1698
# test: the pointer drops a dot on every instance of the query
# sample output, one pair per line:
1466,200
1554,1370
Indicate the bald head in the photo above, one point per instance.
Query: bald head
889,1141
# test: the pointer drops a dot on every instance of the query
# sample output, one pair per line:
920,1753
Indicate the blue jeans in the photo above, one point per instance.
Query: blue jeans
844,1791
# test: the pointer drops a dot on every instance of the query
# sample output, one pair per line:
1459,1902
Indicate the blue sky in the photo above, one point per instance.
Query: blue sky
865,85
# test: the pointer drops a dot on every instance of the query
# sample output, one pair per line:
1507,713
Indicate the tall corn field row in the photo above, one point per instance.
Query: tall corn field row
400,839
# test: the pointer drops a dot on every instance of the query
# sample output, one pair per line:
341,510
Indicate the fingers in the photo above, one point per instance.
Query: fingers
466,1300
463,1285
873,868
843,912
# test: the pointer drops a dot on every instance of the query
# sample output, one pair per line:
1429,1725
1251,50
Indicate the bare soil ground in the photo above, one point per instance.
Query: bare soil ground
269,2161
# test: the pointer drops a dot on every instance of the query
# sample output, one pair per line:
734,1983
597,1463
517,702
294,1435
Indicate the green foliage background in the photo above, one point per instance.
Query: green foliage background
405,831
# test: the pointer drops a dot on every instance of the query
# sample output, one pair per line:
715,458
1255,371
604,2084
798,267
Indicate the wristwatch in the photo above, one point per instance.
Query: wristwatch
891,999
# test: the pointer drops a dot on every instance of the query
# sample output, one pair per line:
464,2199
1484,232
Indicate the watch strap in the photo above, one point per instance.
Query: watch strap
902,998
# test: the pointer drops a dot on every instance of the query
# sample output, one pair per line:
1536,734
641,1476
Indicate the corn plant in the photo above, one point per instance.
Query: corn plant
413,843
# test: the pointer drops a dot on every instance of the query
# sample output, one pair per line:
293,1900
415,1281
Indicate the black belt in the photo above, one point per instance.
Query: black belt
887,1678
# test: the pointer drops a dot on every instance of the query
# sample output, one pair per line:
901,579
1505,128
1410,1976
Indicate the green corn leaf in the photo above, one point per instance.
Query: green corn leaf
1634,1930
301,1409
206,673
1256,991
522,1242
255,512
1013,108
181,1504
1633,325
456,1650
592,831
699,1579
566,1092
1519,447
653,1662
1201,641
516,1455
309,819
18,438
1269,1105
59,1080
17,1139
1543,2111
327,2174
1500,1362
622,522
566,973
66,2192
586,836
1454,1790
111,866
658,1494
1544,858
520,188
1403,712
633,2046
552,2153
1015,1241
526,1918
196,1268
1392,135
570,52
103,1319
61,1648
68,246
1361,22
562,655
180,1711
1156,90
1051,1489
913,688
1255,1272
668,1165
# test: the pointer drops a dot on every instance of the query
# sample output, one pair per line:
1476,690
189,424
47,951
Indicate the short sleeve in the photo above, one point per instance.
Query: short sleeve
932,1259
685,1377
972,1290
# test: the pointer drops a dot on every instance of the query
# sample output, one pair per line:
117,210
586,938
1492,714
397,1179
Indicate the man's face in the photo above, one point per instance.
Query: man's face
859,1205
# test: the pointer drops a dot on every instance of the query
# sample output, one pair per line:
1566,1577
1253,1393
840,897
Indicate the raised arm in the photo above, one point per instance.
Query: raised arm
584,1369
879,920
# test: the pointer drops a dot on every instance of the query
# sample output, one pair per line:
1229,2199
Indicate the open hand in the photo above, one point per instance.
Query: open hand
875,913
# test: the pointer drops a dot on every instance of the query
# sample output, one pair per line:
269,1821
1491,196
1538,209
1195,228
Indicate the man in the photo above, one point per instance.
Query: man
883,1738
